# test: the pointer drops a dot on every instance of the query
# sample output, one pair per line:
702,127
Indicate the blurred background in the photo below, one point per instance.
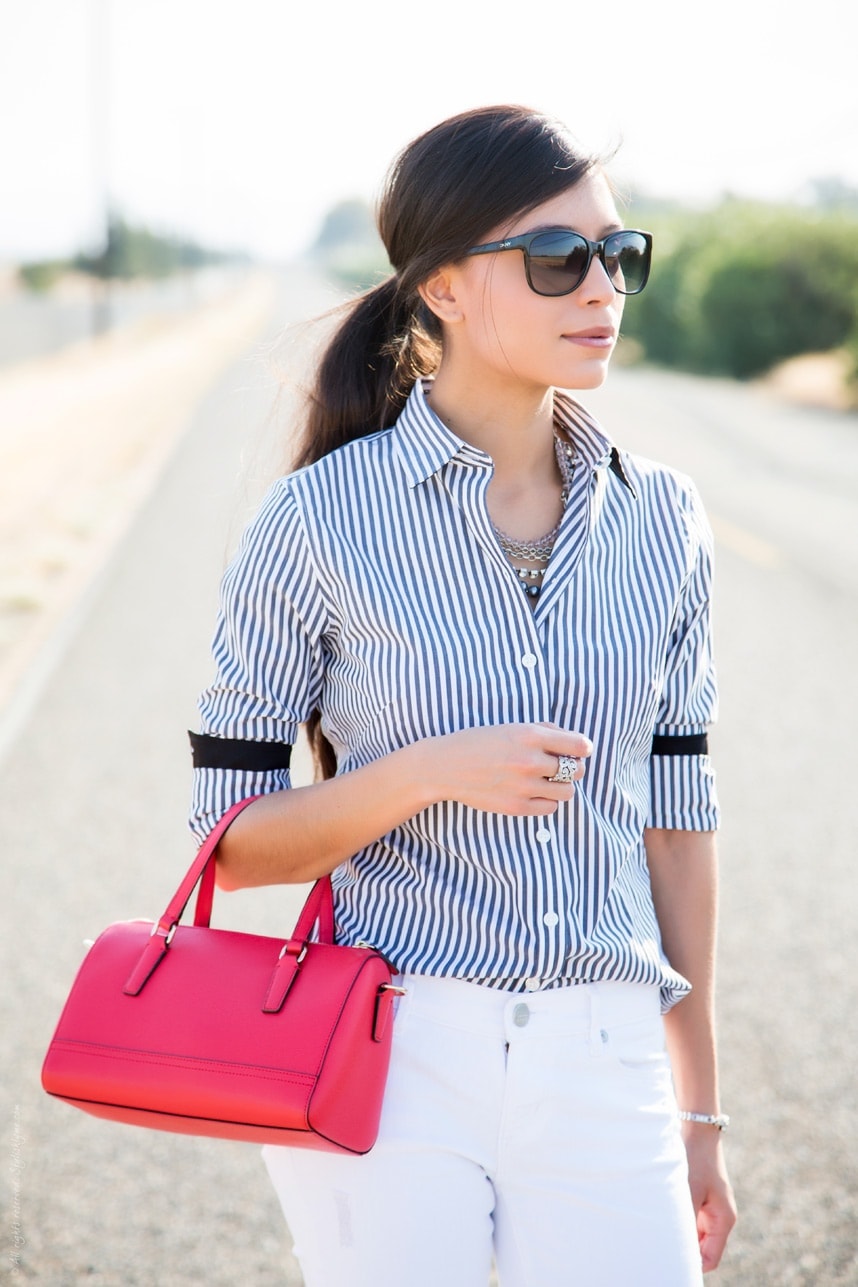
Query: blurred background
140,142
182,186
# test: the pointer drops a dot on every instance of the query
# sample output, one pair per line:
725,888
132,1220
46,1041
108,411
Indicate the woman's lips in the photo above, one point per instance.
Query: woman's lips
598,337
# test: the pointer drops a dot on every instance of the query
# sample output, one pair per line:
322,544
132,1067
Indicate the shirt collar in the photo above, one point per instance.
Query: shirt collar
592,444
425,444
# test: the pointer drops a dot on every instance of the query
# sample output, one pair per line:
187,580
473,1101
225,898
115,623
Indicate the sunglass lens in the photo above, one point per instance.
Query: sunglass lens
558,261
627,261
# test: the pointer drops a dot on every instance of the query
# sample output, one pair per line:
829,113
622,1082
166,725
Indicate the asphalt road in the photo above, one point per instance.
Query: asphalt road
94,781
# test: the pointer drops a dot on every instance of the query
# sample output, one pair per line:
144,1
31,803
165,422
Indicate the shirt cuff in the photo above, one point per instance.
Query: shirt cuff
683,795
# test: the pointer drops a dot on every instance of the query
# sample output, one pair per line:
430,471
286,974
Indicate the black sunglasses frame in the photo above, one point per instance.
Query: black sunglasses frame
594,248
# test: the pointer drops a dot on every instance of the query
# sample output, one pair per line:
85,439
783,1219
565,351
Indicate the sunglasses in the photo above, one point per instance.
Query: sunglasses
557,262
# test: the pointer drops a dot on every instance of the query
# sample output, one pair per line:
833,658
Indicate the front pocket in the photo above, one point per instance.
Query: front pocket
639,1046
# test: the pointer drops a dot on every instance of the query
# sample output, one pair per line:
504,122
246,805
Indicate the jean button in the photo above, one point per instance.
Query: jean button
521,1015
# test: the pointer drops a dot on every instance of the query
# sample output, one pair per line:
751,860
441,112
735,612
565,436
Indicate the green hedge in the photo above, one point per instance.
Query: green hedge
128,252
43,274
736,290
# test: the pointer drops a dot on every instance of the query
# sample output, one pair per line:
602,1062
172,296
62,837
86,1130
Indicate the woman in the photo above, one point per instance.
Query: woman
482,599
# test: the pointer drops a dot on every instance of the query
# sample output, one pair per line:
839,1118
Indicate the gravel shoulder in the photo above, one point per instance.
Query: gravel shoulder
84,435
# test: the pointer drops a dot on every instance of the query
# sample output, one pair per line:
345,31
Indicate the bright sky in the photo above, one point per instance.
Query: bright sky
240,122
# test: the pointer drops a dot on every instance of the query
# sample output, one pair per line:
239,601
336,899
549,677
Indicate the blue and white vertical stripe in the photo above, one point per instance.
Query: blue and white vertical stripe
371,586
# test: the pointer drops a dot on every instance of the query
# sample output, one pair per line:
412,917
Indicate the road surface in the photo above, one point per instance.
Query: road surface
94,783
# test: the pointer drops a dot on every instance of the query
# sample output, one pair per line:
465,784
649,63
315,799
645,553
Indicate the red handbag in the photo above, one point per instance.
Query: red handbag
212,1032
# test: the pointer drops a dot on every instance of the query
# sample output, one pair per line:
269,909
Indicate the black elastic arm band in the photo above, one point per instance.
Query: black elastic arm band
680,744
239,753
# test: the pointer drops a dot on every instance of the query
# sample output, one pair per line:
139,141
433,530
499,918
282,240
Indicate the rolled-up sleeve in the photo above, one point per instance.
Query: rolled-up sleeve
683,792
268,655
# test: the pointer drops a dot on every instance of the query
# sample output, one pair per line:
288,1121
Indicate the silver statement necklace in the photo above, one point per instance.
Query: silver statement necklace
539,550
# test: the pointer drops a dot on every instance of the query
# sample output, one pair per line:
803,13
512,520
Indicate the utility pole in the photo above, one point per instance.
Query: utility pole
100,110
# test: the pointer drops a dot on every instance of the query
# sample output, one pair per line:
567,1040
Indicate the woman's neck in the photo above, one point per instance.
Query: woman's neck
513,425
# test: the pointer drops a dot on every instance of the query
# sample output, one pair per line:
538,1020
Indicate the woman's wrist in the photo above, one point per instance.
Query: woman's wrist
416,774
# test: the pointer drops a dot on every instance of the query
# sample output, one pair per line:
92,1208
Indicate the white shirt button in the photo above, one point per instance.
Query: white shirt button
529,660
532,985
543,835
550,919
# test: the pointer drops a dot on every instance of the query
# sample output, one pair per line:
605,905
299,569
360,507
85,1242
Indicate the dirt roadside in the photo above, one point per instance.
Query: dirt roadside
84,434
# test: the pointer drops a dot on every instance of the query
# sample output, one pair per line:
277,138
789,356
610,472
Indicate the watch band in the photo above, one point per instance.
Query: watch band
721,1120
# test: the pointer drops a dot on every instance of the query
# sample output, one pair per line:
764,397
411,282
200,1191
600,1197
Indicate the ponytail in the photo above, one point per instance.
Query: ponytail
383,344
386,341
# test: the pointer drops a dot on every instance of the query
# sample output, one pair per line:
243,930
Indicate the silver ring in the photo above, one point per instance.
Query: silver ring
567,767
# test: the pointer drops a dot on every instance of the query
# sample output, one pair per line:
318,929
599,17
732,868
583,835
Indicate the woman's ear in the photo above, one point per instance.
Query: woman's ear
439,294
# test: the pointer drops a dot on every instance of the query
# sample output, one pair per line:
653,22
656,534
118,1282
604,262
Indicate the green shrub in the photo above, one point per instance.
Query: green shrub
736,290
348,248
138,252
41,276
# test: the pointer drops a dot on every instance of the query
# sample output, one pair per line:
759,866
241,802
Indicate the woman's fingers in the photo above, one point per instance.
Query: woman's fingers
515,768
567,752
568,768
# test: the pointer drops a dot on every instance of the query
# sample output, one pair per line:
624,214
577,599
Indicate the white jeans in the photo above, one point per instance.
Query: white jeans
540,1128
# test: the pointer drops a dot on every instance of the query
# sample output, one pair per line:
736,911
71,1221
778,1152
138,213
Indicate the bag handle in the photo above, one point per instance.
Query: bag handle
318,907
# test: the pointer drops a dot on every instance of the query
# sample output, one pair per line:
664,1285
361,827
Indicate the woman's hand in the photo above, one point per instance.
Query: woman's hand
711,1194
683,868
300,834
502,768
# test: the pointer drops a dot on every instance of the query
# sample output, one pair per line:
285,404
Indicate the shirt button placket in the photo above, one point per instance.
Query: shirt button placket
544,835
536,704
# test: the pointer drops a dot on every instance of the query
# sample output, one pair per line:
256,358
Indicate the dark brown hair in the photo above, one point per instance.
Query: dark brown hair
443,194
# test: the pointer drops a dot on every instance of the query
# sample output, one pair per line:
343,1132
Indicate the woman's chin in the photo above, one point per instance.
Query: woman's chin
592,376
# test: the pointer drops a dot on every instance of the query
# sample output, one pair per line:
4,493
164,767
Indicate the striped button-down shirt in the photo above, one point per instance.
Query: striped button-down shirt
372,586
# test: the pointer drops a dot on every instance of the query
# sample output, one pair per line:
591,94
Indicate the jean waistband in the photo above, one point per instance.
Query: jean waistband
479,1009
